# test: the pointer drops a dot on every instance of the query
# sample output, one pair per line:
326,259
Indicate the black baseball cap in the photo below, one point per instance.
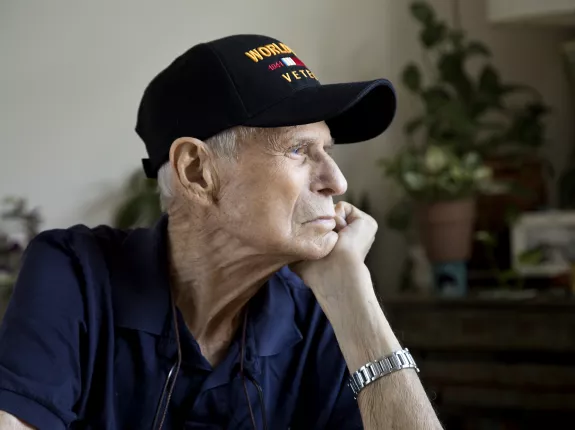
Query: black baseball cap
254,81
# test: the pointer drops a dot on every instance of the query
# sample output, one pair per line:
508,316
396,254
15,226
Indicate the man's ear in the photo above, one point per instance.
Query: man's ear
195,169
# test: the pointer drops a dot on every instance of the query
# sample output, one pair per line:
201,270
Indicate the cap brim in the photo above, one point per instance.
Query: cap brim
354,112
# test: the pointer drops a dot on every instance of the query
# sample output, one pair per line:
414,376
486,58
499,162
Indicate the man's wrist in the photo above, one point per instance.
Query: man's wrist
361,328
345,281
385,366
364,336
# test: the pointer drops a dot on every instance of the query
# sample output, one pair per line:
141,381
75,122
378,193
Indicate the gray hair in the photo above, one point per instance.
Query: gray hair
222,145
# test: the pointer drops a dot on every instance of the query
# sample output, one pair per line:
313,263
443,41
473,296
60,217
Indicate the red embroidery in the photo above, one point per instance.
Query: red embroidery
275,65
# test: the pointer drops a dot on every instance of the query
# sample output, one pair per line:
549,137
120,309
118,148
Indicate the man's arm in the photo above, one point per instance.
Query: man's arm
40,366
10,422
397,400
342,285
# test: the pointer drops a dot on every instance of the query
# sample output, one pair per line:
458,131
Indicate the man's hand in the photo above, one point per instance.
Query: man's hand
342,271
342,285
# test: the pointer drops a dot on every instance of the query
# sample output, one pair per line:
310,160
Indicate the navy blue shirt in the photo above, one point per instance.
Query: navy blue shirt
88,340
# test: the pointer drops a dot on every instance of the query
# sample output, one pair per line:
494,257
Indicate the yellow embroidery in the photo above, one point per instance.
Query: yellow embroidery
297,74
254,55
287,49
265,51
273,49
259,53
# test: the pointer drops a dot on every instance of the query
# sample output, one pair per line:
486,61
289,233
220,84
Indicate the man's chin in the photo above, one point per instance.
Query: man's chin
320,247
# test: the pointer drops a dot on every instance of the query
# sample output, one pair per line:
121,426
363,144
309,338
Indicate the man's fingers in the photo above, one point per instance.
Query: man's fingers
340,223
348,212
339,210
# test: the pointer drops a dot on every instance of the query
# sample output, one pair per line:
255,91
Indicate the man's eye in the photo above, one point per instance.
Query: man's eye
298,150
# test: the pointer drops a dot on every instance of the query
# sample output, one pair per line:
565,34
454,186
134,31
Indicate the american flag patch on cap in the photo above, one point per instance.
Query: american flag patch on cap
292,61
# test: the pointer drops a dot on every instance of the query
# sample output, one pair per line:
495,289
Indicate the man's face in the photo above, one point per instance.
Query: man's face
278,196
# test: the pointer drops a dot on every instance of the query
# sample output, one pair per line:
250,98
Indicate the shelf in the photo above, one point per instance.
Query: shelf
559,13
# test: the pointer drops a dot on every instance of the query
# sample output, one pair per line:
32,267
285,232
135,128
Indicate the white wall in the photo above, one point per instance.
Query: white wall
72,73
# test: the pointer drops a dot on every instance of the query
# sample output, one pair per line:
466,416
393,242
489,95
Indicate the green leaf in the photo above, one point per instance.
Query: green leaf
478,48
531,257
508,275
452,72
140,206
436,159
128,213
512,214
460,125
526,128
411,77
422,12
136,180
456,37
435,98
413,125
432,35
486,238
489,81
489,90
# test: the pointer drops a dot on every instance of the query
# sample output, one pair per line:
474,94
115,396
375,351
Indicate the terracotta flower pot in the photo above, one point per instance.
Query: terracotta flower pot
446,229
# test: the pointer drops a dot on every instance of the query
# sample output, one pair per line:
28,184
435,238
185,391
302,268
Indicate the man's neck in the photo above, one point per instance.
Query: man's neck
213,277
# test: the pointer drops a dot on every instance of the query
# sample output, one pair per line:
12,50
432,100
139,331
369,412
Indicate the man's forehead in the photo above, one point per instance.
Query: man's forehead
318,131
281,138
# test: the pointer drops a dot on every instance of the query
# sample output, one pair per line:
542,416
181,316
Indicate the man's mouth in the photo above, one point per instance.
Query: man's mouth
326,220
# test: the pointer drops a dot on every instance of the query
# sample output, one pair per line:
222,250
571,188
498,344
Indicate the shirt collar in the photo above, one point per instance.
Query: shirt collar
142,297
272,317
140,282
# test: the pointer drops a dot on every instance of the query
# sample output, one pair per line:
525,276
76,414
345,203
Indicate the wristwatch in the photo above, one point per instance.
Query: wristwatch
374,370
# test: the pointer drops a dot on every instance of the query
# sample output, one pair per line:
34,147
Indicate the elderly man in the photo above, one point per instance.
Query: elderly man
198,322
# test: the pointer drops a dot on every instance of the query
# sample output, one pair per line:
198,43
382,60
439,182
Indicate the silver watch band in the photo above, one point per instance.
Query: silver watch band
374,370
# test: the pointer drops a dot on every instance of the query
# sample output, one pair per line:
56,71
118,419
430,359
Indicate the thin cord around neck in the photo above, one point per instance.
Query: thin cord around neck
243,347
175,369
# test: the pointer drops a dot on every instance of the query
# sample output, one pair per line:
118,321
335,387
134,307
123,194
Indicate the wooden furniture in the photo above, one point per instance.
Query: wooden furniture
492,364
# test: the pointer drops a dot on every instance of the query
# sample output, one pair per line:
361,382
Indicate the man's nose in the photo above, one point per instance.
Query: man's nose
330,181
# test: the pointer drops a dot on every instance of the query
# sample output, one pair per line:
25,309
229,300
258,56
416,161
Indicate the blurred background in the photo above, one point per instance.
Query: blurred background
473,185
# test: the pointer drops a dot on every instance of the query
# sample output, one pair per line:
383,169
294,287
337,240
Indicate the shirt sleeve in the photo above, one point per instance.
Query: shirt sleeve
40,374
345,414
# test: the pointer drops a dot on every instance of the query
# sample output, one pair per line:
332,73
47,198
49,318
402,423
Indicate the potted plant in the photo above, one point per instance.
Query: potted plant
479,112
441,187
15,209
140,205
